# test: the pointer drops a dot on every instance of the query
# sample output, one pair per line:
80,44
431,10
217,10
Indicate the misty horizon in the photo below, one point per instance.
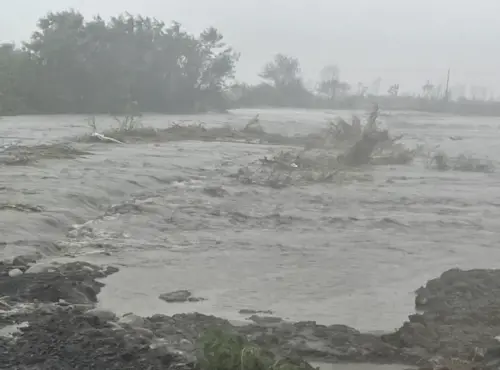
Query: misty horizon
394,42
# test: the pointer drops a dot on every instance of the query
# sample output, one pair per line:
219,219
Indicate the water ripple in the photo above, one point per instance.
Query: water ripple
171,215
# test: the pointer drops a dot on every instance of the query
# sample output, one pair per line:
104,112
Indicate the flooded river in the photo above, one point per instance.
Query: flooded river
335,253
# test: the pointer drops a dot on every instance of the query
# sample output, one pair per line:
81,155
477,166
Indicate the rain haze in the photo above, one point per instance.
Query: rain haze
398,41
272,185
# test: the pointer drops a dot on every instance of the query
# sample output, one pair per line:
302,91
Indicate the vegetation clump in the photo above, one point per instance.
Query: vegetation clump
223,350
465,163
330,156
131,129
19,155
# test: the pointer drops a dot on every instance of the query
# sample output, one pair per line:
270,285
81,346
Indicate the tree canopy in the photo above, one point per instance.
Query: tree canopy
89,66
284,74
71,65
330,84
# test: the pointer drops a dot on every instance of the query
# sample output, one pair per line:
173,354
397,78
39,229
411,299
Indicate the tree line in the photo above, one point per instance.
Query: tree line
71,65
74,65
283,86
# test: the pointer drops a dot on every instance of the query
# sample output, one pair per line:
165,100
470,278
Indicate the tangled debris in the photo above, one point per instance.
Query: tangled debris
441,162
292,168
322,161
134,132
361,152
366,144
21,207
254,126
22,155
348,145
362,141
333,155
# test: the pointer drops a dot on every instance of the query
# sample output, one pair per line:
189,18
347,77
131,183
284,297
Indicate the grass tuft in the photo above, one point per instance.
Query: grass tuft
223,350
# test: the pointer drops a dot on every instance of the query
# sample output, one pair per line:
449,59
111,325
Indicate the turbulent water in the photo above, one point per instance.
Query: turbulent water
335,253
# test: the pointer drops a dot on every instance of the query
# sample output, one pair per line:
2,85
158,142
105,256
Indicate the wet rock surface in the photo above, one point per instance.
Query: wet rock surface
459,318
458,323
73,283
246,311
63,330
69,339
180,296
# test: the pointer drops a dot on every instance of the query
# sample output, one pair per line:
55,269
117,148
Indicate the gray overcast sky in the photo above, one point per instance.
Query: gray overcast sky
405,41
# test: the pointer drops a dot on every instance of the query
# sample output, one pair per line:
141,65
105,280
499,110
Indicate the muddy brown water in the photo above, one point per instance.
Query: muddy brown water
350,254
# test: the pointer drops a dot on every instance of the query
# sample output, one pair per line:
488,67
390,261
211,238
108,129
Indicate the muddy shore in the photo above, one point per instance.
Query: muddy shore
48,320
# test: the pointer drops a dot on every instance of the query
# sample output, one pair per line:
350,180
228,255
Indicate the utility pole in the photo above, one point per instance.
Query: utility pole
447,91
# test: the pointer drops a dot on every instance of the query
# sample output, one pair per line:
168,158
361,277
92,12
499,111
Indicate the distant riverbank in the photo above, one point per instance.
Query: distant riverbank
460,108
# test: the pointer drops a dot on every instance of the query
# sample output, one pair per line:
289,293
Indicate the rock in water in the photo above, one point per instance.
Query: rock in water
15,272
459,309
103,315
132,320
40,268
180,296
246,311
69,340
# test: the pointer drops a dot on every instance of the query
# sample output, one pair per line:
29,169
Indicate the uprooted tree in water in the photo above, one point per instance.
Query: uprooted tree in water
370,143
361,152
363,141
320,160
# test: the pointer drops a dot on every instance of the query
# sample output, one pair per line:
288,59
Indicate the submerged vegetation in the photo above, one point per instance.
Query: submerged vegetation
334,154
131,64
338,153
19,155
465,163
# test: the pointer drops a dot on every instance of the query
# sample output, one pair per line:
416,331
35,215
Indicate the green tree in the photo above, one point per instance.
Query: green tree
330,84
71,65
17,73
218,63
283,73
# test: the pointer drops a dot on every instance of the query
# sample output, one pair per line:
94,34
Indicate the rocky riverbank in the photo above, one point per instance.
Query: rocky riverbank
459,318
51,310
